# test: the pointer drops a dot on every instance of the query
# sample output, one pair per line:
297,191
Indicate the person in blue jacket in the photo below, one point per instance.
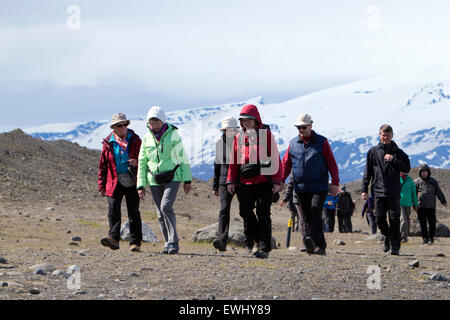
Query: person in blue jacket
329,212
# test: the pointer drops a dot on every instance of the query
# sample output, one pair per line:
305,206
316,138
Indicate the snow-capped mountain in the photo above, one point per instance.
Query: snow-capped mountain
415,105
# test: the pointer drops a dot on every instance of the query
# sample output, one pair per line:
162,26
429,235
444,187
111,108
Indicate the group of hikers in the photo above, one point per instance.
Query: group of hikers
248,164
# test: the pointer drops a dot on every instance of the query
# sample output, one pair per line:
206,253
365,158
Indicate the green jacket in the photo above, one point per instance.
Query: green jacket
162,156
408,196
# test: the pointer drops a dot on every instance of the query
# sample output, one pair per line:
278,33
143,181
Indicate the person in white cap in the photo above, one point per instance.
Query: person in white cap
310,158
229,129
163,165
117,178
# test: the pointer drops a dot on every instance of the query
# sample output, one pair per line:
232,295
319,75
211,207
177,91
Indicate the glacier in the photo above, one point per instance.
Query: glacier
416,105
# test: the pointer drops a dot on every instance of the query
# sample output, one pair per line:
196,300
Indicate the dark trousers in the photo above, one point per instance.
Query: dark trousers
370,217
329,219
134,216
345,222
425,215
390,230
311,204
257,227
224,214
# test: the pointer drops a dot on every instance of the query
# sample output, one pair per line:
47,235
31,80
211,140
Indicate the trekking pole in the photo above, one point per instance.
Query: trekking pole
289,229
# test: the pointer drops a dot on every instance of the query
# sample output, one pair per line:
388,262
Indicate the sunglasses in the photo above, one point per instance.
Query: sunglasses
302,127
122,125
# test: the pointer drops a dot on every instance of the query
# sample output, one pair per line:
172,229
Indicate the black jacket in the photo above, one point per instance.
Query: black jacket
428,189
385,176
222,161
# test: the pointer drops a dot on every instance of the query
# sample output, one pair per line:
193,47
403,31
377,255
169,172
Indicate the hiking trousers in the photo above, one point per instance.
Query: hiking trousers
224,214
391,230
405,222
134,216
311,204
258,227
164,197
427,215
329,219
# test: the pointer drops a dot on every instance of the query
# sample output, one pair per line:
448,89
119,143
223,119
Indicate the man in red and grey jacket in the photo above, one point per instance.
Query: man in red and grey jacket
310,158
254,182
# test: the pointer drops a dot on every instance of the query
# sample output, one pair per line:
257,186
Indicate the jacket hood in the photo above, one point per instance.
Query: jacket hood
424,167
251,110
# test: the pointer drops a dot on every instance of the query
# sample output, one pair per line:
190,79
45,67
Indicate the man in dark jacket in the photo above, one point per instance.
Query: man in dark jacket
117,178
310,158
428,189
383,165
223,149
345,210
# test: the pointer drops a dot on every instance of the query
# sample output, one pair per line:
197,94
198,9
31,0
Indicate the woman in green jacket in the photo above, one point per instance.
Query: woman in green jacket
408,199
162,154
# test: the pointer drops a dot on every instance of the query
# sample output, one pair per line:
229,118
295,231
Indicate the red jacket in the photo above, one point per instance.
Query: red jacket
107,174
245,149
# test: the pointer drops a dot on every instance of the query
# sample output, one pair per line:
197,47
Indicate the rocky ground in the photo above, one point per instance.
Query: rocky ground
58,224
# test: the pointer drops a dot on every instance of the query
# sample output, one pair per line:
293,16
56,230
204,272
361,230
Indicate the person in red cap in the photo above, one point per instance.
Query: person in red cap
255,175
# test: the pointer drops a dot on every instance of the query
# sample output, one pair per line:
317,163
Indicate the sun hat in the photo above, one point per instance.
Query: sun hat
229,122
117,118
303,120
156,112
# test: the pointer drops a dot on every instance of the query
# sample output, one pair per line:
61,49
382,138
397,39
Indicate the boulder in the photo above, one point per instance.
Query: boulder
235,235
441,229
147,233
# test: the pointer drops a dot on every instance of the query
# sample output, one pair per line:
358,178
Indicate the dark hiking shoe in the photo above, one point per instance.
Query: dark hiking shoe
303,249
320,251
261,254
219,245
425,241
173,248
431,241
386,245
110,243
309,244
395,252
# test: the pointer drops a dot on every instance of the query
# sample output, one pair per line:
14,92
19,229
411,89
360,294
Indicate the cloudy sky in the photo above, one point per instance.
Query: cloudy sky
60,63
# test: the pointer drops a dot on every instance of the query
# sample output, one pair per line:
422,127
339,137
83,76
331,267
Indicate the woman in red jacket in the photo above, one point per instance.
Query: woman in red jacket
117,178
255,174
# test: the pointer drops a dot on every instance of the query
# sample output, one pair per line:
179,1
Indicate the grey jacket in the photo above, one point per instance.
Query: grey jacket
428,189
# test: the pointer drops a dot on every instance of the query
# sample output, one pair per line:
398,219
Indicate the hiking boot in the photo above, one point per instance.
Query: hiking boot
219,245
135,248
395,252
261,254
303,249
404,240
172,248
431,241
424,240
309,244
110,243
320,251
386,245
